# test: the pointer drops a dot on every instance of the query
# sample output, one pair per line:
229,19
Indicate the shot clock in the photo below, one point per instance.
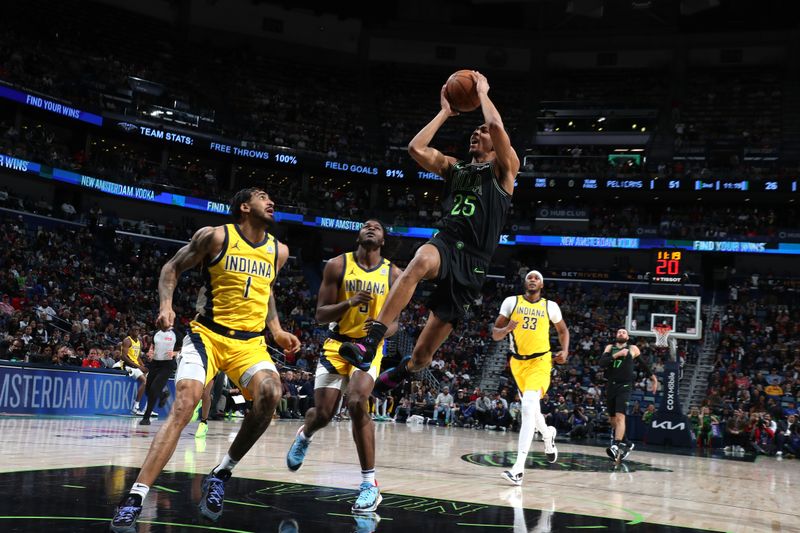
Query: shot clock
668,266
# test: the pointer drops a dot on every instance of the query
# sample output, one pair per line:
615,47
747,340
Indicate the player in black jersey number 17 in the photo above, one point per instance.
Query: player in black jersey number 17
617,361
477,198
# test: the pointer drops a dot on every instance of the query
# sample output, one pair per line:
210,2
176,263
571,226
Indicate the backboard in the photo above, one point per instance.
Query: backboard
682,313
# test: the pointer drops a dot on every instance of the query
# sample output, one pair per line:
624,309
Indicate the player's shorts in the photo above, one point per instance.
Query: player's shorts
461,276
333,371
617,396
237,353
133,372
532,374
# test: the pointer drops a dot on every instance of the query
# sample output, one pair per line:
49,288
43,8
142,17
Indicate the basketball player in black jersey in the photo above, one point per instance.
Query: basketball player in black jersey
617,360
476,200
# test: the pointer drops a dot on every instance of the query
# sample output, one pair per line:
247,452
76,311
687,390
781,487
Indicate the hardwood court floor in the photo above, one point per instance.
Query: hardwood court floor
433,479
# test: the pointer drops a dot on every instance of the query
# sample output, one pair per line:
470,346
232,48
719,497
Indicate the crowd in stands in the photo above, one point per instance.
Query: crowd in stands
266,104
62,303
398,205
729,108
752,392
366,112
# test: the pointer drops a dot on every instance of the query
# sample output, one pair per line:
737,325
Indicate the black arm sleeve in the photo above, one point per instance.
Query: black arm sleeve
605,360
643,365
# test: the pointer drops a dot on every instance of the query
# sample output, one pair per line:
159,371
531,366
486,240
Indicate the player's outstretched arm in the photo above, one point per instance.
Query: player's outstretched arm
205,241
507,159
428,157
288,341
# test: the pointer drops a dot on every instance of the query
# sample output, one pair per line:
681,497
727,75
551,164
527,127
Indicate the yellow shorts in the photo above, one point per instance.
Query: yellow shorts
333,370
533,374
205,352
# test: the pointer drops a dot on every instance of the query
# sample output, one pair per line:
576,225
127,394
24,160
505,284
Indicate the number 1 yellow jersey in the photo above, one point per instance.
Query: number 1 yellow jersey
238,282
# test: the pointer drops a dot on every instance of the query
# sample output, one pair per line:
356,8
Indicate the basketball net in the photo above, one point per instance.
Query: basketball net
662,335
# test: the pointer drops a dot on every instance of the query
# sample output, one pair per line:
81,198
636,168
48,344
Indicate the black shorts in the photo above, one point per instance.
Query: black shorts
617,397
462,273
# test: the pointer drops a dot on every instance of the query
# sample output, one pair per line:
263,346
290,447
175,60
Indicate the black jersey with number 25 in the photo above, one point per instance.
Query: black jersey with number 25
475,205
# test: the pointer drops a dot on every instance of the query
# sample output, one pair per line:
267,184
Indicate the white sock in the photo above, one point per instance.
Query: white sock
141,489
531,418
226,464
302,435
368,476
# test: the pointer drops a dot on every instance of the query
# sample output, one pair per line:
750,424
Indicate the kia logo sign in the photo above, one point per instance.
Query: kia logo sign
666,424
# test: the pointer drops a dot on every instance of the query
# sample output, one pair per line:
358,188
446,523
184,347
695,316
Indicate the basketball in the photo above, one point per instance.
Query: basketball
461,92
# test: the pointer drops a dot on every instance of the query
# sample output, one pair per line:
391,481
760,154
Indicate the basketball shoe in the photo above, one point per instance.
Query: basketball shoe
368,499
393,377
629,446
613,452
514,479
127,513
362,353
550,449
213,494
297,452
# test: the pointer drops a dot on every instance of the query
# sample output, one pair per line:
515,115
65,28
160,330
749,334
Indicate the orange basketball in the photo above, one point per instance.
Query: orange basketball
461,92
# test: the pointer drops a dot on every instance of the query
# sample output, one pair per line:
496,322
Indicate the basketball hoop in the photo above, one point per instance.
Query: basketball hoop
662,335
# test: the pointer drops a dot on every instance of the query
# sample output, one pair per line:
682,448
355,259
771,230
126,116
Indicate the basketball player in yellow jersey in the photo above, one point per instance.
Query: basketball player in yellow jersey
132,364
354,288
526,319
240,263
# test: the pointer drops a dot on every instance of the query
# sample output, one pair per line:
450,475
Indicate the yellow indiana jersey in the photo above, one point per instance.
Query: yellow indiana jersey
532,334
134,350
376,281
238,281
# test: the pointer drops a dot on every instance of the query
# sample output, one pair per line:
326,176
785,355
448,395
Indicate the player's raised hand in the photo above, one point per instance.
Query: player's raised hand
560,358
481,83
445,103
361,297
166,319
